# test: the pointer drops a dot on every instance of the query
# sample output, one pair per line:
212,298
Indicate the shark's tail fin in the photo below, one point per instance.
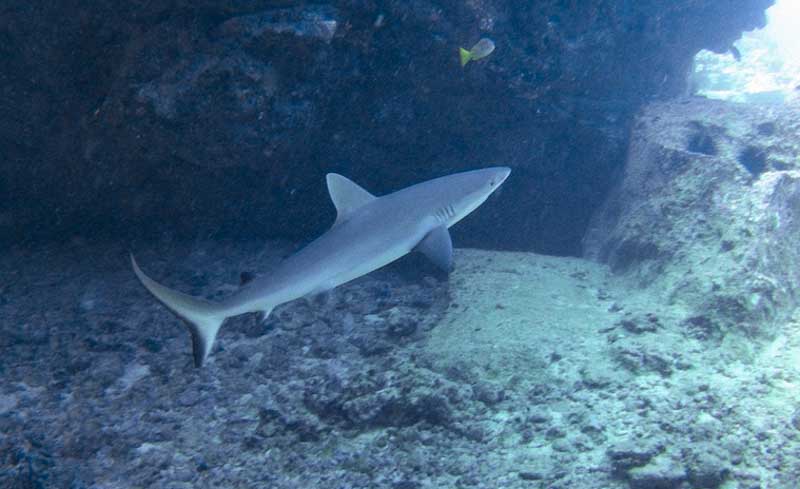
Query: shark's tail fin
204,318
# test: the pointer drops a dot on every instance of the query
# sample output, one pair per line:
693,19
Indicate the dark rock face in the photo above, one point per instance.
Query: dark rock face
221,118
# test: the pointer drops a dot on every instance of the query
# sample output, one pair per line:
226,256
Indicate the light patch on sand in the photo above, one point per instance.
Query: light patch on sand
147,447
8,402
133,373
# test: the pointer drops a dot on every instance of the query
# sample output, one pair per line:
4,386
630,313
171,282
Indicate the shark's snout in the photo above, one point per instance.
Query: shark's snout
499,176
504,172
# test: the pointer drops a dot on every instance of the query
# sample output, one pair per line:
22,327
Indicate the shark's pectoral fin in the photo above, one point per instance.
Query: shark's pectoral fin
438,247
347,196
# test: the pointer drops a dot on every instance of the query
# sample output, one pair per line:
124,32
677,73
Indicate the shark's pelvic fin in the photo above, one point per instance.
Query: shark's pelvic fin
438,247
347,196
203,318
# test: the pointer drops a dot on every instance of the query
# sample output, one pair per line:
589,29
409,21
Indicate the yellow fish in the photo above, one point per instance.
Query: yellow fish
481,49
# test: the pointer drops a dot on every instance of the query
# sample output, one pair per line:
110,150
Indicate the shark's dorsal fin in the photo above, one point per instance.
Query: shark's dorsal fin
438,247
346,195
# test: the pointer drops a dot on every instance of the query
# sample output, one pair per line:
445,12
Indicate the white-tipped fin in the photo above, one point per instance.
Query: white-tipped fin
203,318
346,195
262,316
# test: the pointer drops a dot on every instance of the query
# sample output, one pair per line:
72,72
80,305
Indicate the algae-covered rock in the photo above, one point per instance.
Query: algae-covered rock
661,473
706,212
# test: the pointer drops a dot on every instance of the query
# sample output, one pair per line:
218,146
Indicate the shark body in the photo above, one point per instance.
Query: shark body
369,232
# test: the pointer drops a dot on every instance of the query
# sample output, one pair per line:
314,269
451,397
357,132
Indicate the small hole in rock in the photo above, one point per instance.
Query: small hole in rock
700,141
778,165
754,160
766,128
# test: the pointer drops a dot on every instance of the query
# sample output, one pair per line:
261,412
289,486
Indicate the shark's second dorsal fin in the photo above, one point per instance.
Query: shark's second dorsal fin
346,195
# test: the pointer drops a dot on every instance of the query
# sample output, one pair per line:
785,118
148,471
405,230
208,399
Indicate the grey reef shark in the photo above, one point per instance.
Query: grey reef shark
369,232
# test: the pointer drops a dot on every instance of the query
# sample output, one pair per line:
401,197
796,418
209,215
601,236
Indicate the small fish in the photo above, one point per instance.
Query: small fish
480,50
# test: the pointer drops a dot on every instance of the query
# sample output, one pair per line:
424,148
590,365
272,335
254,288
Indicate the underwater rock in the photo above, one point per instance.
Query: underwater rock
639,325
640,357
487,393
629,454
660,473
705,469
705,213
313,22
398,408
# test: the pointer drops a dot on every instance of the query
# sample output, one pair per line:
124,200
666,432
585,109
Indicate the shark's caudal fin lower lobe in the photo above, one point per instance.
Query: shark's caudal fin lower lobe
204,318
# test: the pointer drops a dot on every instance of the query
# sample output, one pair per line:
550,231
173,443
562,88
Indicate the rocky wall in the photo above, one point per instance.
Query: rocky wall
706,212
203,119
